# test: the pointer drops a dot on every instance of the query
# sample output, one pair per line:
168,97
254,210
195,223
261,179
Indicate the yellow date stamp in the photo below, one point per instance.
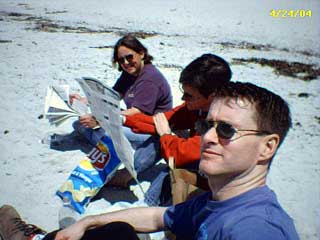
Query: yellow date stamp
284,13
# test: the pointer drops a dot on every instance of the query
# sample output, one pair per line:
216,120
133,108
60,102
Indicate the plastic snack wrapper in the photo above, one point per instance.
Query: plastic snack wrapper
90,175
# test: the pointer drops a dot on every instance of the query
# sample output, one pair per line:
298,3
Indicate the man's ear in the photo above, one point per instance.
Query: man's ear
269,146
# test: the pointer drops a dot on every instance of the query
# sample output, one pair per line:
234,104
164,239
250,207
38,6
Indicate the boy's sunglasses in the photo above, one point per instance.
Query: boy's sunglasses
187,96
224,130
128,57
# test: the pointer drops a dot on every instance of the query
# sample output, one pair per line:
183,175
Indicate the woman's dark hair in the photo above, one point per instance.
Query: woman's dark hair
133,43
206,73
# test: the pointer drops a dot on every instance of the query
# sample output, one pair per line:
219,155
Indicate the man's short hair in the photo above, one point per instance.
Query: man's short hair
272,112
206,73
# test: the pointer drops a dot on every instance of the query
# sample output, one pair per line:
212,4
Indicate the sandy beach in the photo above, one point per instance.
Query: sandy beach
45,43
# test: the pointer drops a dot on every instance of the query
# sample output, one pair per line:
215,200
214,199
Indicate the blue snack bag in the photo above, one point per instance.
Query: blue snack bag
90,175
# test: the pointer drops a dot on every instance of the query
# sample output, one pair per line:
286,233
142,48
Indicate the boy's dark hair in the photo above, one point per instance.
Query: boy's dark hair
206,73
272,112
133,43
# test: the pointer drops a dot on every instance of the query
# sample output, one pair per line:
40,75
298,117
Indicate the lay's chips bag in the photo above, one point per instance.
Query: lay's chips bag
90,175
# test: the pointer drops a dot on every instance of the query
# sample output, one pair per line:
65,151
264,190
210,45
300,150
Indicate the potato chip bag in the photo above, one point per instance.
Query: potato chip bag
90,175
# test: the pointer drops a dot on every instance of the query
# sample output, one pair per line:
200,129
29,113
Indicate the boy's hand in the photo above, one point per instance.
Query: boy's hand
161,123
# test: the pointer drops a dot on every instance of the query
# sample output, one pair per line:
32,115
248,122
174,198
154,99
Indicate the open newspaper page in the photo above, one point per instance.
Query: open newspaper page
57,107
104,103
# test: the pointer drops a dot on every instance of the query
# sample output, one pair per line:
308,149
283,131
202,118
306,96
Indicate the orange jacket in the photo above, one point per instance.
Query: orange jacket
184,150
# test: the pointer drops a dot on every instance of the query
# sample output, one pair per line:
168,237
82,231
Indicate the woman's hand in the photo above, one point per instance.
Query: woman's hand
78,97
161,123
88,121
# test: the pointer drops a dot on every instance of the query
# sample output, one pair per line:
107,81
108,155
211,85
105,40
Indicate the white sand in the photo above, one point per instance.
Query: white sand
31,60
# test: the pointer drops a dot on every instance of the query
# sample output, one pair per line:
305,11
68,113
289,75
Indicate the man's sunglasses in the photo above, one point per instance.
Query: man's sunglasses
224,130
128,57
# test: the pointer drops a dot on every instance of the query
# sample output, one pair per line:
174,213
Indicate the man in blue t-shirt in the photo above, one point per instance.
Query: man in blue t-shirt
240,136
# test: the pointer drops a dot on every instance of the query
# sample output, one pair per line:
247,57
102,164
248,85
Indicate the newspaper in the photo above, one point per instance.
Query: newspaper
104,104
92,173
57,107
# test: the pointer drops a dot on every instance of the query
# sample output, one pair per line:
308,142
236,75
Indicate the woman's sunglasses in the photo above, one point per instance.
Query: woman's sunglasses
224,130
128,57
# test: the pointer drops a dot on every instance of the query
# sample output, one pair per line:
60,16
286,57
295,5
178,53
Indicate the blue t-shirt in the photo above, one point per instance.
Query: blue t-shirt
149,92
254,215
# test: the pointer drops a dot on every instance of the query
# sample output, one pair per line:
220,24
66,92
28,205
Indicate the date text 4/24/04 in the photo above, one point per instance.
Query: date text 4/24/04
283,13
